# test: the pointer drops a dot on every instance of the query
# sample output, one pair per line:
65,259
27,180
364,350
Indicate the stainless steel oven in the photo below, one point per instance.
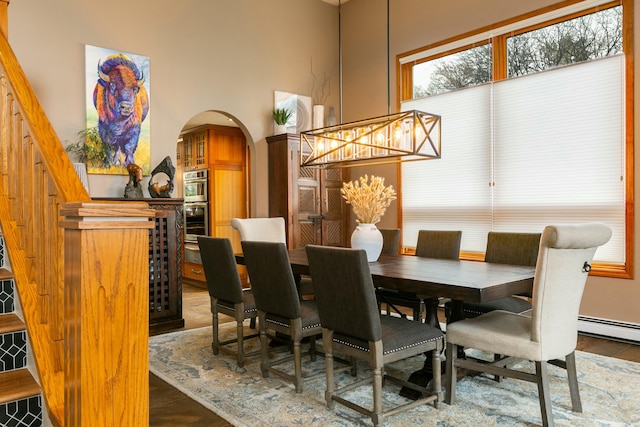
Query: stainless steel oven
196,205
196,220
195,186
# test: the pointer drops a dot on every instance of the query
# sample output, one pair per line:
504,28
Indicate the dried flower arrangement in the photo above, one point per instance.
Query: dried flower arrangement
369,200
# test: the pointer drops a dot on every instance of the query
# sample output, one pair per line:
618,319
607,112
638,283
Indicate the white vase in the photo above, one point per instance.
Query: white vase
369,238
318,116
279,129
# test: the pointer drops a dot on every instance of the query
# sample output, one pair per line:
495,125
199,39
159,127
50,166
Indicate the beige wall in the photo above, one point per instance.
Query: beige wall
416,23
220,55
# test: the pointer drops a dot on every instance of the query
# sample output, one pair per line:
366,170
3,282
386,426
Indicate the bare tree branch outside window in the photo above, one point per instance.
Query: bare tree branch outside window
585,38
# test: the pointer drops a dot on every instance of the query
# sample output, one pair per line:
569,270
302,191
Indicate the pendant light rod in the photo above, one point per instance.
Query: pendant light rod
340,56
388,63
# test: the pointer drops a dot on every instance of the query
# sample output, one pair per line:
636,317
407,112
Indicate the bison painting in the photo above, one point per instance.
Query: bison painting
122,104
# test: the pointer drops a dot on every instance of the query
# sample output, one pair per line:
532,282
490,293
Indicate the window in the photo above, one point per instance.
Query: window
539,136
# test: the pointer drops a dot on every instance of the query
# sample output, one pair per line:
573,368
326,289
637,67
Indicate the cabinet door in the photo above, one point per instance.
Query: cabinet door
187,152
333,207
194,150
200,142
308,217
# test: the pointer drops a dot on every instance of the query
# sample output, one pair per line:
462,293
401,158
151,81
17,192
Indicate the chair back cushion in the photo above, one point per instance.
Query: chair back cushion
390,240
261,229
220,268
271,277
512,248
559,281
344,291
441,244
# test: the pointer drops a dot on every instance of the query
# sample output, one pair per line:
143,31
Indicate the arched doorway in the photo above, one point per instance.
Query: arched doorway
213,167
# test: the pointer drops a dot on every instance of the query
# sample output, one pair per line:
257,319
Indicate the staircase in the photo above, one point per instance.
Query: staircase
20,395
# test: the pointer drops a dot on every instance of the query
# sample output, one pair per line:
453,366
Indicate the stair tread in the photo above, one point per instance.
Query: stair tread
10,323
16,385
5,274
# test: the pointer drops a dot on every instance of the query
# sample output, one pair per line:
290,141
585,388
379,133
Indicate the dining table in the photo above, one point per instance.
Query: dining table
459,280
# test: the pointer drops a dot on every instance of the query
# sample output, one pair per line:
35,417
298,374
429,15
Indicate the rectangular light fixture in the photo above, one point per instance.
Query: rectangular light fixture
399,137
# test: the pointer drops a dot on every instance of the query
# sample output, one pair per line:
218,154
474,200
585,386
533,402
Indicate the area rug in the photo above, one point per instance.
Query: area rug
610,391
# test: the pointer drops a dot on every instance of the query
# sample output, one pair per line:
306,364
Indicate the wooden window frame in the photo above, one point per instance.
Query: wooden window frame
404,86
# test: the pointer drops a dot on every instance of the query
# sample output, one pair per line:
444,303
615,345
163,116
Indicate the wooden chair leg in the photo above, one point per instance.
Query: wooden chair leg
437,375
327,341
263,344
576,404
451,374
240,343
297,363
544,395
216,340
377,395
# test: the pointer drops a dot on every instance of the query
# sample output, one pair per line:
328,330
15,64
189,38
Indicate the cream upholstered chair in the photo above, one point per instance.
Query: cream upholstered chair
279,308
442,244
269,230
261,229
352,325
550,332
226,293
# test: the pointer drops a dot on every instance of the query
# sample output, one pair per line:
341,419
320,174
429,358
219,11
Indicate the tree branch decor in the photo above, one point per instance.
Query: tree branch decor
369,200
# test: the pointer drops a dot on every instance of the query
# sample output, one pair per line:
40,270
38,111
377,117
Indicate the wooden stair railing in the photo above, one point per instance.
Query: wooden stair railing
80,268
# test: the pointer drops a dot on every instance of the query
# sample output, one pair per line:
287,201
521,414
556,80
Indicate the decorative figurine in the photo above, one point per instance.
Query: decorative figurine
166,167
133,189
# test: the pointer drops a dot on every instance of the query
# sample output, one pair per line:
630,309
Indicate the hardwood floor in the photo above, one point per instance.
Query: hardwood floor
171,408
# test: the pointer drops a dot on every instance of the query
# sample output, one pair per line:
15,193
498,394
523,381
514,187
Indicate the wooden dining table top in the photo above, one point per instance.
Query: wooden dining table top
471,281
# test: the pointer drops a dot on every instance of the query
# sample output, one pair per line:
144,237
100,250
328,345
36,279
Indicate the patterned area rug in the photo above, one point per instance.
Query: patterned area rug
610,391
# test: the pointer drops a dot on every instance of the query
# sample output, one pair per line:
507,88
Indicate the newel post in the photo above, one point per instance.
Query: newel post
106,257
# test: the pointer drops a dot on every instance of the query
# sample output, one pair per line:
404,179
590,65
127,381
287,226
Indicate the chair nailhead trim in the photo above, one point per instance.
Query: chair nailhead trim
287,325
359,347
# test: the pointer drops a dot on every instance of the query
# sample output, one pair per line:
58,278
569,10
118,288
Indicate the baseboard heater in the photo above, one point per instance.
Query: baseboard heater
610,328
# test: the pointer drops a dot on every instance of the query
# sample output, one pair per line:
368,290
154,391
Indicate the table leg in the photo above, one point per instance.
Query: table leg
424,375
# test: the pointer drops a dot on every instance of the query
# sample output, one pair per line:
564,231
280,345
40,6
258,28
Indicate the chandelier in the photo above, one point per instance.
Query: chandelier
399,137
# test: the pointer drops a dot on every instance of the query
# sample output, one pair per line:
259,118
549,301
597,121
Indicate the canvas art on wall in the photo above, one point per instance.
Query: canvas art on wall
117,111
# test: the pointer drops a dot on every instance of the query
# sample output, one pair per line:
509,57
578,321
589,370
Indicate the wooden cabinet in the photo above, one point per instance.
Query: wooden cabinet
308,198
165,261
225,156
192,266
195,149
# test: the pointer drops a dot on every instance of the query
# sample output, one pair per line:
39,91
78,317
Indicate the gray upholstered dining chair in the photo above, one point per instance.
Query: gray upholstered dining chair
442,244
227,295
279,308
353,326
390,240
505,248
550,333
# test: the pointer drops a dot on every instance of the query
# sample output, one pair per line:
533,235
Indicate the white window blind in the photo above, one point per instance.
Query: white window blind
522,153
452,193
